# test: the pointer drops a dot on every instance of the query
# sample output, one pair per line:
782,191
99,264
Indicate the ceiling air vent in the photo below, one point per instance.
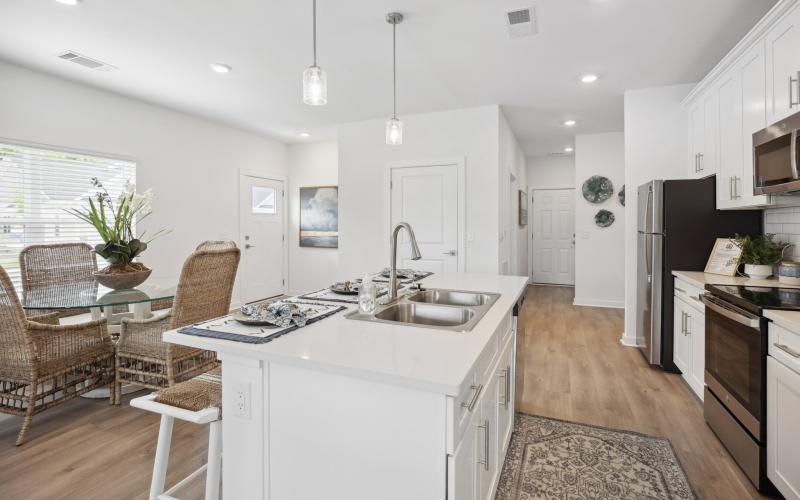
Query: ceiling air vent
520,22
86,62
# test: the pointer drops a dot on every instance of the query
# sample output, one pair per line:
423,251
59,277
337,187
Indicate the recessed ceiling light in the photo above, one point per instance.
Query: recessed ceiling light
305,134
589,78
570,123
220,68
568,149
69,2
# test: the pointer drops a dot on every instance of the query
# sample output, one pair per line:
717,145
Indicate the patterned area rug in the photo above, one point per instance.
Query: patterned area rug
554,459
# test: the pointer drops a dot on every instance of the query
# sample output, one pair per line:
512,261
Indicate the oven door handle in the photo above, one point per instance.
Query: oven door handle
793,154
731,313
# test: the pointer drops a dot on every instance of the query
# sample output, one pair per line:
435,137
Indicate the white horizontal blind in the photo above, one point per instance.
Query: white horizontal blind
38,185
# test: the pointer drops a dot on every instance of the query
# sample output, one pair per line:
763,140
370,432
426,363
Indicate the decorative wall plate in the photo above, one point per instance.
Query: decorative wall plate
621,196
597,189
604,218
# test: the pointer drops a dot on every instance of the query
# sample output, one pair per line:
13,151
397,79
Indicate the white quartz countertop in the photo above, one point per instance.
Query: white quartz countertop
701,279
422,358
787,319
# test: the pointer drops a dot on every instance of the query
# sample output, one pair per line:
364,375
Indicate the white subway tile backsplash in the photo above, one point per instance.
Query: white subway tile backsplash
784,223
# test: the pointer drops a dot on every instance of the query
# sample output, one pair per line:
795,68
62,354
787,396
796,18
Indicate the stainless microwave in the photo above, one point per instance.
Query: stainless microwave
776,157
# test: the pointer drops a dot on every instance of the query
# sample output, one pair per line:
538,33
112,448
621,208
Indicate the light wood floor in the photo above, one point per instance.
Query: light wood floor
570,366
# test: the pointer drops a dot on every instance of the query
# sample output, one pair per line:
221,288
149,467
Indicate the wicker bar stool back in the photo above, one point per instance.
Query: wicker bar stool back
56,264
43,364
204,292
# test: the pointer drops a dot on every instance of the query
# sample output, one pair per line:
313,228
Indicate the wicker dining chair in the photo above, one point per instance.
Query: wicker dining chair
56,264
204,292
44,364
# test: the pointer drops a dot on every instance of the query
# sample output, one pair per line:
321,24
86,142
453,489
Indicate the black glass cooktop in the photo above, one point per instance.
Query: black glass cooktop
757,298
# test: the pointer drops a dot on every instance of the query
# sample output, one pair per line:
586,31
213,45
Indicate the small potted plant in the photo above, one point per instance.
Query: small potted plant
114,223
760,254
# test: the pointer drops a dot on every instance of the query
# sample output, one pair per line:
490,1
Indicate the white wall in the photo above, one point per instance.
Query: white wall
599,252
551,172
191,164
471,134
655,148
514,240
313,164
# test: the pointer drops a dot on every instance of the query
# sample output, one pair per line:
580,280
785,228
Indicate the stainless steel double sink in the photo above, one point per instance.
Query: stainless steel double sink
453,310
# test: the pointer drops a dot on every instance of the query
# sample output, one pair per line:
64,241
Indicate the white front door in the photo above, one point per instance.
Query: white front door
261,237
553,236
427,197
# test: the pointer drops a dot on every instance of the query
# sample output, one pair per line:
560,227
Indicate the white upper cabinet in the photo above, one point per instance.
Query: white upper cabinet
703,137
755,85
742,112
730,139
783,67
751,69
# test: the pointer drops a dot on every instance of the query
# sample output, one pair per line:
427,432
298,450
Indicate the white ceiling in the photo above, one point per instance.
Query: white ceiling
451,54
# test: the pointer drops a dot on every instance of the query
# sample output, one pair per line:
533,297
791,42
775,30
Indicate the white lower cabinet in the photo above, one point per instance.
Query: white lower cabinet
783,428
689,336
476,464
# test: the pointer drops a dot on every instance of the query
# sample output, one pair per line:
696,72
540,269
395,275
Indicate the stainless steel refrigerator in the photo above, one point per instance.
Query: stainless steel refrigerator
678,224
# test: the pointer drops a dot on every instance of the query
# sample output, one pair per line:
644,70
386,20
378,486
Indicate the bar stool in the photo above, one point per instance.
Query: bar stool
196,400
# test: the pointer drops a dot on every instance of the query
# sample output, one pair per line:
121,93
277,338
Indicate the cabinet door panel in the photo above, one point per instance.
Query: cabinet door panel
730,140
783,428
488,469
463,464
783,63
696,138
697,358
505,400
754,117
708,158
680,353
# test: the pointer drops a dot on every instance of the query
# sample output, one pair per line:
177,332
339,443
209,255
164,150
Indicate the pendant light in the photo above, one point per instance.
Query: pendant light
394,127
315,81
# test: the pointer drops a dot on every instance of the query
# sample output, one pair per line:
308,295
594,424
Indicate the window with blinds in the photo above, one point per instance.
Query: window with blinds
37,186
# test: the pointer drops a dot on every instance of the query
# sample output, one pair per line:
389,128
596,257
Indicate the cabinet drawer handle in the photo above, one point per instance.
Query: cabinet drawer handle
506,376
792,82
508,385
788,350
688,320
700,161
476,391
485,428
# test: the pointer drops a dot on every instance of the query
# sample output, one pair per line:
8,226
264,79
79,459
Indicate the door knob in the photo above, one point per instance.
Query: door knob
248,245
451,253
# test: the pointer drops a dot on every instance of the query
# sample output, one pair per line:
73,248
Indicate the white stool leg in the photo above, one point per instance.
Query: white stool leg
214,460
162,457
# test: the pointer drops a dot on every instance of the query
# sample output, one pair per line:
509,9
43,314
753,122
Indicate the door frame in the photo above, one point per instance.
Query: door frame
283,179
459,162
531,190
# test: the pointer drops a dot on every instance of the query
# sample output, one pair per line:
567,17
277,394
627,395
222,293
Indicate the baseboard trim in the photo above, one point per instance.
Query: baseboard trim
611,304
628,341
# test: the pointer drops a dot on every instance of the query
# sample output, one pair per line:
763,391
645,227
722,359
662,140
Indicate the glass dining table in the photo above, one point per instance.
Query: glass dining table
102,302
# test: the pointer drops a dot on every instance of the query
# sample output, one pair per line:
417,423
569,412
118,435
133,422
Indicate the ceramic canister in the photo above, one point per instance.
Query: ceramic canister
789,272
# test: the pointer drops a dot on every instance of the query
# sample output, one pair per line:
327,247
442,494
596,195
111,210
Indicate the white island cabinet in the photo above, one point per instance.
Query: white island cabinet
345,409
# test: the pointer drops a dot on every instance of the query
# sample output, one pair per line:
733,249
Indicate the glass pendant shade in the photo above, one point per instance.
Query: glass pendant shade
315,86
394,132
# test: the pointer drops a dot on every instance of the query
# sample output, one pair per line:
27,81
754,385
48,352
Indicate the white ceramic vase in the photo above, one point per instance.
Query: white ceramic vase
758,271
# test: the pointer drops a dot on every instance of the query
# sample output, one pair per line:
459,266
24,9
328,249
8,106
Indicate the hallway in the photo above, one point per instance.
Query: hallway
571,366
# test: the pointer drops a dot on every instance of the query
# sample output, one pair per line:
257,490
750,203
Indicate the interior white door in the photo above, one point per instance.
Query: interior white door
553,236
261,237
427,198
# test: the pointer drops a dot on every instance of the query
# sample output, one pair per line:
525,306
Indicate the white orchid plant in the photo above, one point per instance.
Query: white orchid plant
114,223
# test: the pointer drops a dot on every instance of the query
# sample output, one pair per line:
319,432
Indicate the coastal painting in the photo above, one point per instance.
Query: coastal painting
319,216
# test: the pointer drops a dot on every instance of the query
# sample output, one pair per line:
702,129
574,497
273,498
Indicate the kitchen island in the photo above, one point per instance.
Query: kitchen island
344,409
